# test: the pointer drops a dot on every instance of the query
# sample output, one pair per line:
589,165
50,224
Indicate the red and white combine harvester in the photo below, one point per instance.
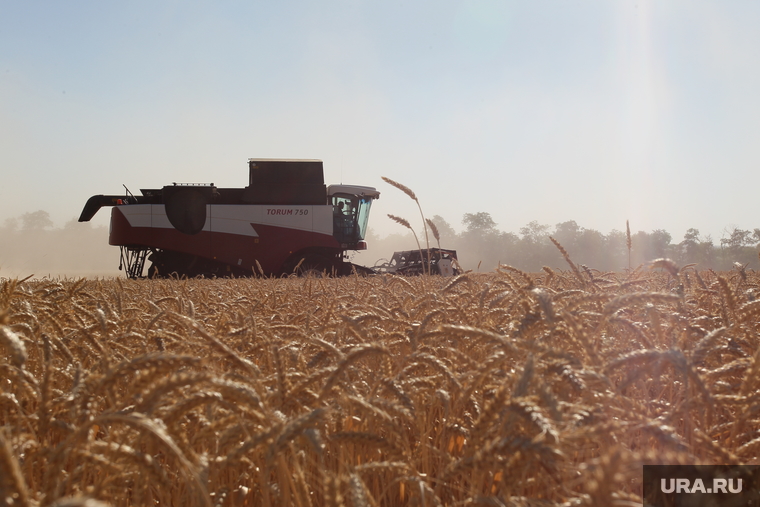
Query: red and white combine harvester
286,220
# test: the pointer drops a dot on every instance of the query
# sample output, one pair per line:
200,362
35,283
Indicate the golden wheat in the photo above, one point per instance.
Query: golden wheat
511,387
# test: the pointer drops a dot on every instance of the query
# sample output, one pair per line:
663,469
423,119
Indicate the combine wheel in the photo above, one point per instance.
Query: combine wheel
317,267
172,264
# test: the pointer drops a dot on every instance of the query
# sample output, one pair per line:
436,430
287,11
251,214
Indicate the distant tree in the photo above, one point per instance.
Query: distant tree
478,222
659,243
736,246
10,224
687,250
648,247
591,249
536,250
616,251
707,253
36,220
507,245
371,236
735,238
534,231
445,230
75,225
508,239
480,241
567,233
692,235
585,246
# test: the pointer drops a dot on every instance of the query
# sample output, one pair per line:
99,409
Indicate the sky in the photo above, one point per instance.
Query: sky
548,110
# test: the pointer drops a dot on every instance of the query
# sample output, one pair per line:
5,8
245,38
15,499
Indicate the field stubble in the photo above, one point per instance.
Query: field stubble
486,389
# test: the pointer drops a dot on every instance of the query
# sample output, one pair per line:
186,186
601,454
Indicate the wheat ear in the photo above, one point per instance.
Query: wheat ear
408,191
434,229
564,253
406,224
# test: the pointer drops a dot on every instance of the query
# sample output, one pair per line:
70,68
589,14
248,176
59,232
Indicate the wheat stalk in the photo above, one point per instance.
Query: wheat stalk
405,223
628,242
384,390
408,191
569,261
435,232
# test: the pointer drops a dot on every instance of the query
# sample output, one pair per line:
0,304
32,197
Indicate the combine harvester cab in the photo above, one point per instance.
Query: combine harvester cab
286,220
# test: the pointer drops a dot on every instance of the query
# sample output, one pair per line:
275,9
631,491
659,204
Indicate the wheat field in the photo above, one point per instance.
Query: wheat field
506,388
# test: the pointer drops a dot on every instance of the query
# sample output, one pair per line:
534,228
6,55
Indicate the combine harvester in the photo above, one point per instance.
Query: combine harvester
286,220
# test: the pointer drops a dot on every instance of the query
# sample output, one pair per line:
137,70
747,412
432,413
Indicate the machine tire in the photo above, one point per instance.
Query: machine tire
168,264
317,267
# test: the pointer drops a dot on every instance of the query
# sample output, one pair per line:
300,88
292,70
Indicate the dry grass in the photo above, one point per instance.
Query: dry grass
507,388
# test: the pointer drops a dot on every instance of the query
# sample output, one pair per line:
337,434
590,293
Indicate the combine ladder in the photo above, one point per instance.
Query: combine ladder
134,260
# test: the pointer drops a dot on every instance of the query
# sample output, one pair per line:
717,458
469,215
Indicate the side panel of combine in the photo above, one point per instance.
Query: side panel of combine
148,225
237,235
268,234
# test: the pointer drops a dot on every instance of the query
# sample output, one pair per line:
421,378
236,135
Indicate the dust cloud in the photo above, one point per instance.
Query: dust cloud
30,245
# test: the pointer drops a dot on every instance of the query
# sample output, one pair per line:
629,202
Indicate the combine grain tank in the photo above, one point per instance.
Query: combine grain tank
286,220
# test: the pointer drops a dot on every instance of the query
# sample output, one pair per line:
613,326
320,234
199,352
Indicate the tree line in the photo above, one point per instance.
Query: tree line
482,246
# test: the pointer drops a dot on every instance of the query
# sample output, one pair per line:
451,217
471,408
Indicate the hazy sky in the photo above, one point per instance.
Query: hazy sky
593,111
